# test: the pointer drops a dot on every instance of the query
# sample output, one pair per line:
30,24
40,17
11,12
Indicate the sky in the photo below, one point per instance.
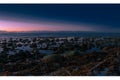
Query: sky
60,17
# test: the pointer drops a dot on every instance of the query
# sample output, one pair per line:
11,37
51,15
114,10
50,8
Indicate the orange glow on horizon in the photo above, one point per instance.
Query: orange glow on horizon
12,26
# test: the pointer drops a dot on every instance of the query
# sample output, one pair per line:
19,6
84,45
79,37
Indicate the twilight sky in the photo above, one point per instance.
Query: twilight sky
60,17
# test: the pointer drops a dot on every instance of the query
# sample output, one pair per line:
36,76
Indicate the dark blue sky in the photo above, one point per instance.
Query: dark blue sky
105,17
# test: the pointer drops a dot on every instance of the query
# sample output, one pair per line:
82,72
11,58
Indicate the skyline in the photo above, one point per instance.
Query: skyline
60,17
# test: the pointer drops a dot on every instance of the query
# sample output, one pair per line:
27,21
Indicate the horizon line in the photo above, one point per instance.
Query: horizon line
56,31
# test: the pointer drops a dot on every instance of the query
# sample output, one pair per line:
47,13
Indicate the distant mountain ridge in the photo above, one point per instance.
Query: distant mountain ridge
1,31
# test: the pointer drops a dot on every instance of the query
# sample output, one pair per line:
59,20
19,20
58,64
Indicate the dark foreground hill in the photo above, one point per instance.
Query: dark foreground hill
106,63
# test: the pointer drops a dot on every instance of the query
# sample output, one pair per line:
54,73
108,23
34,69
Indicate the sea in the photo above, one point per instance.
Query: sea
57,34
